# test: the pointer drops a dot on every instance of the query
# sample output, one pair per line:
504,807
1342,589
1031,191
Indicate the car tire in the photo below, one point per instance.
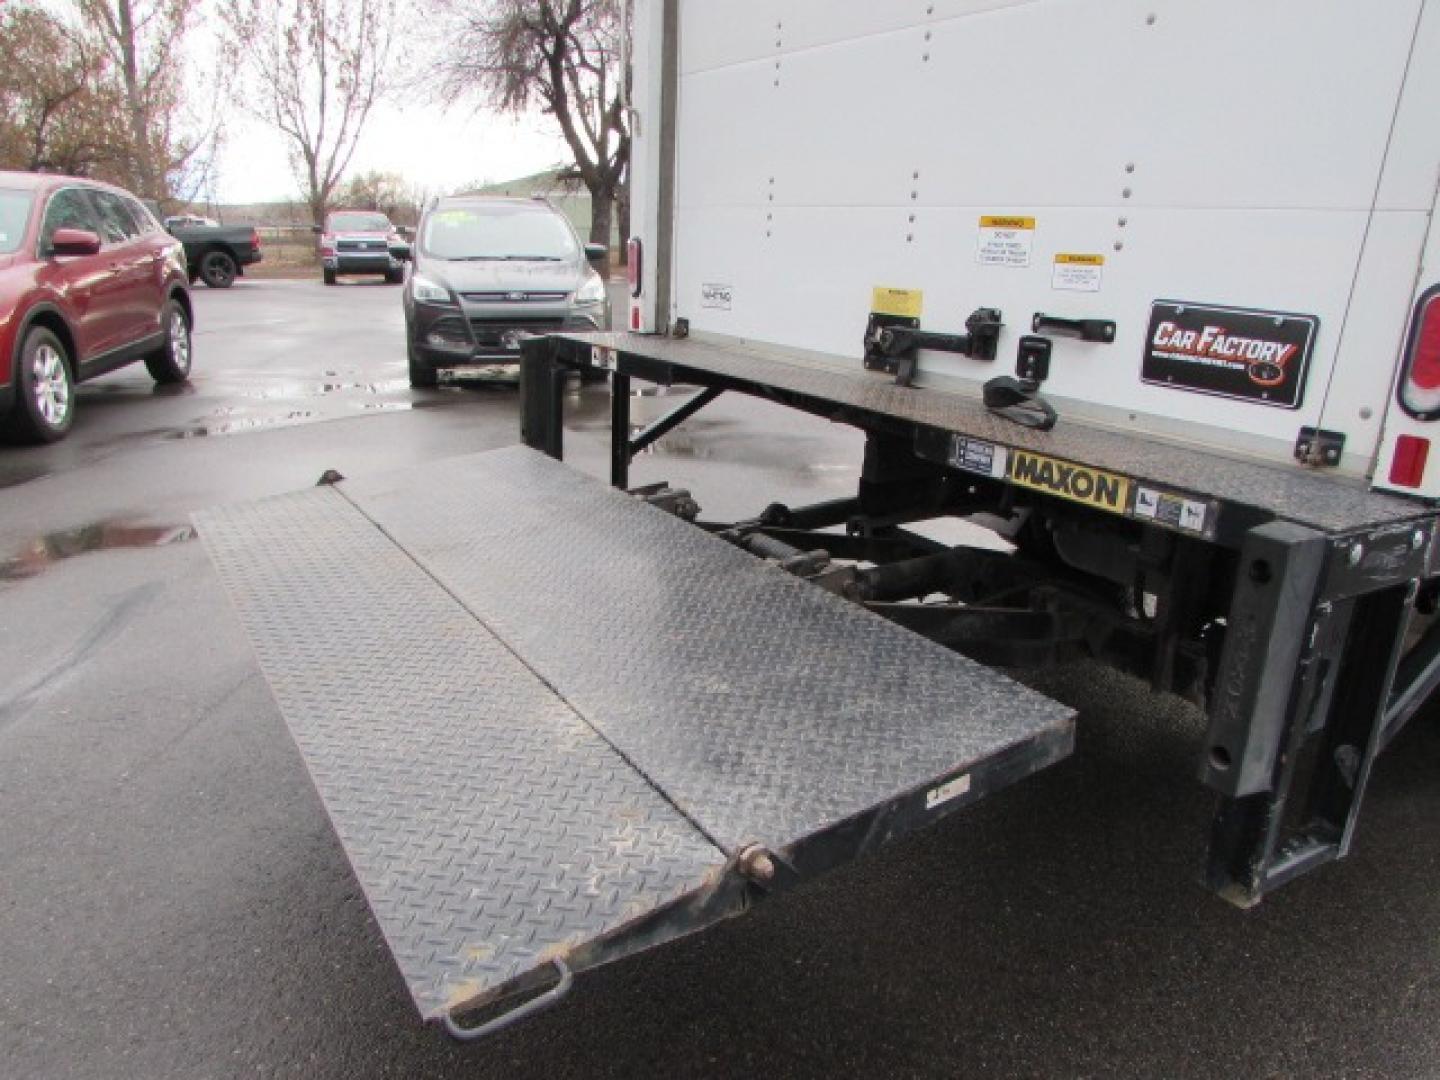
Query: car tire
394,277
171,362
44,390
328,275
218,269
422,376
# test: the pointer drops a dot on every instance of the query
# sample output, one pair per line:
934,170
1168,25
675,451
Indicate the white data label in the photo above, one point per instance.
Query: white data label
1078,273
1005,241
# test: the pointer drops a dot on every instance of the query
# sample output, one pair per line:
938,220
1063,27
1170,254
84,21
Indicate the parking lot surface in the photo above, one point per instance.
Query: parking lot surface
174,904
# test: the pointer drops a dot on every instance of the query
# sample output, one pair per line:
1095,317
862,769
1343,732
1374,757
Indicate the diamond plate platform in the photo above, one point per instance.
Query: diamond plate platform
488,824
766,708
544,716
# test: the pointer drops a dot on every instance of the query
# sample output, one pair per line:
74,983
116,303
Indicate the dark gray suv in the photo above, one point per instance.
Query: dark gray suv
487,271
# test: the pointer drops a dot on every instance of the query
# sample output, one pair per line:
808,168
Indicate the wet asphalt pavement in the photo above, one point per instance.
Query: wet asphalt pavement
173,903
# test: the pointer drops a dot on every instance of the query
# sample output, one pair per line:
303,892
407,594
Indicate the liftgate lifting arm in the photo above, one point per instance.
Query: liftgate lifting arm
1297,654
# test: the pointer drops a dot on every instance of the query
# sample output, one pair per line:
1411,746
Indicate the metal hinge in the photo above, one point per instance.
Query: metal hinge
1318,447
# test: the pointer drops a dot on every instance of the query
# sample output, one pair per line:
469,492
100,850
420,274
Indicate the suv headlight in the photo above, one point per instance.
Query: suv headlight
428,291
592,292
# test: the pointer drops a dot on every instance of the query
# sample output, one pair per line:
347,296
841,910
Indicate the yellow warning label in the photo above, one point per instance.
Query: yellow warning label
994,222
1081,260
1093,487
902,302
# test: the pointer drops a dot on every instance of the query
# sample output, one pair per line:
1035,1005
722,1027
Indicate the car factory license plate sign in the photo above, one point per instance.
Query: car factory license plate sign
1260,356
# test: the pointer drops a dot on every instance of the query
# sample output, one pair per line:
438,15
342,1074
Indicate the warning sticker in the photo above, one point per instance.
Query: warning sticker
1093,487
1077,273
1163,508
978,456
1005,241
905,303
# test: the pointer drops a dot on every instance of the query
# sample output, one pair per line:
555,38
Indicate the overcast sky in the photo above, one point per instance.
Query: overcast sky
437,151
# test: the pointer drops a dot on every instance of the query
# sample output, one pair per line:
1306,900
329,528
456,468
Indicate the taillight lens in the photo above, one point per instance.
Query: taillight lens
633,254
1407,467
1419,389
255,239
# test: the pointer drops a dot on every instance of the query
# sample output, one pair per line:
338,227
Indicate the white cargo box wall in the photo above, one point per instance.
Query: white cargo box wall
1278,156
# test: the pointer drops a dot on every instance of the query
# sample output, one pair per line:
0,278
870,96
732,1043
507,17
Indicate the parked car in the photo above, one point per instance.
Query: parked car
89,282
486,272
216,254
361,242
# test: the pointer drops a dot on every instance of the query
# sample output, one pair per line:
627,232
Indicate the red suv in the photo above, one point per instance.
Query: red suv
89,282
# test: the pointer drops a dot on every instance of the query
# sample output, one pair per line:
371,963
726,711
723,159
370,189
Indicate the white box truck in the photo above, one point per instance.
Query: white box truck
1147,291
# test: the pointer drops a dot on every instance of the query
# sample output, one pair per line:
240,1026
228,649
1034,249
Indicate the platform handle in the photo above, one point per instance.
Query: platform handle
515,1015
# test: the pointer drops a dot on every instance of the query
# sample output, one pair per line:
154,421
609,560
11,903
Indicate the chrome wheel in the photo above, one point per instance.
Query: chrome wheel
179,341
50,384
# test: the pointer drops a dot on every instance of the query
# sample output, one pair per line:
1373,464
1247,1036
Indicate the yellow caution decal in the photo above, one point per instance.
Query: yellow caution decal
1002,221
1073,259
1093,487
905,303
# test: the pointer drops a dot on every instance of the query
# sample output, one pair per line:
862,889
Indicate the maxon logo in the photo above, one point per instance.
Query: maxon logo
1094,487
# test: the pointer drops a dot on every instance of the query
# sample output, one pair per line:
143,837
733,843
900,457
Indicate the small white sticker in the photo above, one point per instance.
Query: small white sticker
716,296
1173,510
1005,240
951,789
1077,273
602,357
978,456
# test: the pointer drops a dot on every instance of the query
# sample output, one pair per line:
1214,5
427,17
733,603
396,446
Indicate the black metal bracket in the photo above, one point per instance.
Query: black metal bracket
1101,330
1032,360
1316,446
892,342
624,446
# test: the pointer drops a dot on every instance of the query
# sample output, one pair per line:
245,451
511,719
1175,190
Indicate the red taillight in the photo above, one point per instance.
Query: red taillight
1407,467
1419,389
633,254
634,318
255,239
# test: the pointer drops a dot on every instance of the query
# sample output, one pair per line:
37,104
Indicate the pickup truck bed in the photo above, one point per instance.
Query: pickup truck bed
217,254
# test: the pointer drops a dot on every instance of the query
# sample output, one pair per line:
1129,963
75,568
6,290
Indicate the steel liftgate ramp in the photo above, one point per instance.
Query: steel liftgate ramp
553,725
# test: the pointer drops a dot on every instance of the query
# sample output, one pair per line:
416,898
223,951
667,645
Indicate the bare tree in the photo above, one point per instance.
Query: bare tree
563,56
388,192
144,40
55,97
316,69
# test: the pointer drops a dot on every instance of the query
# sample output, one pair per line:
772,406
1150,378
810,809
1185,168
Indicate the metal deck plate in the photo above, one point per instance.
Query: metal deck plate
538,711
765,708
1295,494
488,824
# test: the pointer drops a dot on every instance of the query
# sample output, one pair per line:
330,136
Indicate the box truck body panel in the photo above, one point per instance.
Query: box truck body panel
1193,174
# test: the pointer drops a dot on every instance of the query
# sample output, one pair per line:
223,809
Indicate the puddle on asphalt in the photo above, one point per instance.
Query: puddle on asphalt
44,551
239,423
305,389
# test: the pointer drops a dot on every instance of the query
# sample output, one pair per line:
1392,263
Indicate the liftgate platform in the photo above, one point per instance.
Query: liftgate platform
554,725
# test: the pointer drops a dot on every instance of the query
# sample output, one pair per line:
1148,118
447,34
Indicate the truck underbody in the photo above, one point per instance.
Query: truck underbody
555,725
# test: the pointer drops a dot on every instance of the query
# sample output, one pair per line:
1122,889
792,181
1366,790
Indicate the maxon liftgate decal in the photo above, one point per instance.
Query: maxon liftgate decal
1260,356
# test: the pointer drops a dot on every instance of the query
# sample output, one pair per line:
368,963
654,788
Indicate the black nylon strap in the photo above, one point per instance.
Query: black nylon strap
1008,397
